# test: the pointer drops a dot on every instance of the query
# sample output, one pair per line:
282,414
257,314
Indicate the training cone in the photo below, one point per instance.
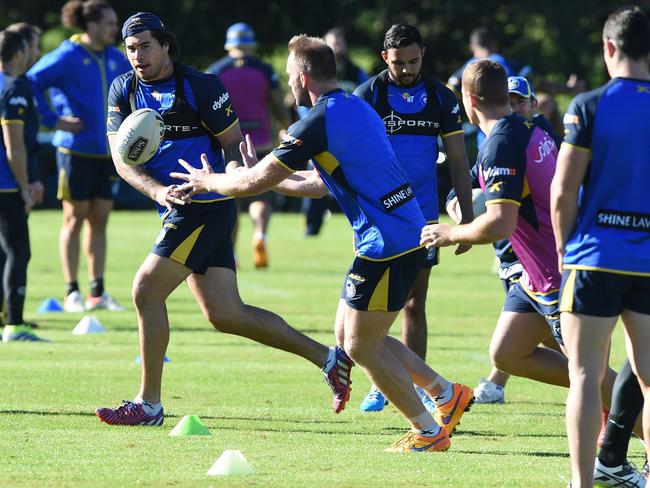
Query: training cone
190,425
49,305
231,462
88,325
138,360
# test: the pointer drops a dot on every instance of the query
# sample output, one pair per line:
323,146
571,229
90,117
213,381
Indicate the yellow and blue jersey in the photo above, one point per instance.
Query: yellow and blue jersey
414,118
613,226
195,108
16,107
346,140
77,80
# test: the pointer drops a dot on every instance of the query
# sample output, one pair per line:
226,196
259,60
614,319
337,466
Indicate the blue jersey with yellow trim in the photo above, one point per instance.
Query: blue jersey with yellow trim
613,226
16,107
516,165
195,107
80,78
347,141
414,118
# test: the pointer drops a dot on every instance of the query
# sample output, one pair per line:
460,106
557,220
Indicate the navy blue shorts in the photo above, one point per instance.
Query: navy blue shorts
382,285
85,178
433,257
604,294
517,300
198,236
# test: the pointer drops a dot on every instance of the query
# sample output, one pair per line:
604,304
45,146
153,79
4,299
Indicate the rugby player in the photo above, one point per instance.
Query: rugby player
354,160
194,244
601,218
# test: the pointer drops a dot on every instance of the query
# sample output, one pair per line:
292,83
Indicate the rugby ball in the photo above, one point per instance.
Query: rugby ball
478,201
139,136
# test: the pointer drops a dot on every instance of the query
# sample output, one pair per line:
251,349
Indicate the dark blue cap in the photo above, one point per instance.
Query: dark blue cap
140,22
521,86
240,35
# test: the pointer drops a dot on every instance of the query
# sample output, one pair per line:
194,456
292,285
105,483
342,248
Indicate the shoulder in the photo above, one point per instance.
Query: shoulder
221,65
588,101
366,87
200,80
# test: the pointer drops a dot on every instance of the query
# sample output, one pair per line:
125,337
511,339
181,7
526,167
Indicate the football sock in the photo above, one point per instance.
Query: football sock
424,424
71,287
97,287
149,408
627,403
437,387
446,394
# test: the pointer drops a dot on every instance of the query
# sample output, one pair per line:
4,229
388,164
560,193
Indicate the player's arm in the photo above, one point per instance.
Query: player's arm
12,133
498,222
306,184
246,181
141,180
572,164
230,141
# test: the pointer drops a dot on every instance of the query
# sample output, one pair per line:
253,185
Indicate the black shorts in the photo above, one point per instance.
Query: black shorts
517,300
382,285
432,258
198,236
604,294
85,178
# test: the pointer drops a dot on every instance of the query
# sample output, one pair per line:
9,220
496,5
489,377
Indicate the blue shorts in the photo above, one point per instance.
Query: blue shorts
433,257
604,294
198,236
382,285
517,300
510,275
85,178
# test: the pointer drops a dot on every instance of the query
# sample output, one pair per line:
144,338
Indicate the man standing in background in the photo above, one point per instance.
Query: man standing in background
256,95
78,74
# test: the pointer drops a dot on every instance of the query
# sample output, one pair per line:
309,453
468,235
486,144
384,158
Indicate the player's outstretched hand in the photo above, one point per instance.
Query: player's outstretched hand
197,179
248,154
436,235
171,195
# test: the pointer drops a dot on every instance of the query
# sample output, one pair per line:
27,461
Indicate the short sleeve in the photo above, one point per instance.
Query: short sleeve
15,104
451,122
578,123
119,107
214,104
304,139
502,170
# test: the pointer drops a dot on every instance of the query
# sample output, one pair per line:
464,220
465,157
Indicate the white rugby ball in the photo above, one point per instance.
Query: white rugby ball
478,202
139,136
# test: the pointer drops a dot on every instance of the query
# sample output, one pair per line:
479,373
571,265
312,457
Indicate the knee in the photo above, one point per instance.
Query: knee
72,223
359,353
144,291
501,357
228,320
414,306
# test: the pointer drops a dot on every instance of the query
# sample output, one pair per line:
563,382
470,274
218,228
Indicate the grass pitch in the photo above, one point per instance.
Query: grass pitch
272,406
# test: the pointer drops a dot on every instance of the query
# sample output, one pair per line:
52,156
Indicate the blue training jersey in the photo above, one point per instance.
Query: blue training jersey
414,117
201,111
347,141
612,232
77,80
17,106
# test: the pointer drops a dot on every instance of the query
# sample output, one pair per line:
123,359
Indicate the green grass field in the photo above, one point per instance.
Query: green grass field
272,406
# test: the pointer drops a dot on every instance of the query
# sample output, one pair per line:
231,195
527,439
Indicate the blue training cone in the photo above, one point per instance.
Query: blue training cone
138,360
49,305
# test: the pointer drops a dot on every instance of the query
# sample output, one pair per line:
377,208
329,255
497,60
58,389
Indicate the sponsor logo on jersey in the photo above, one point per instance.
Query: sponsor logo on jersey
394,123
408,98
496,187
114,109
180,128
456,109
545,148
623,220
496,171
219,102
570,119
289,140
18,101
397,197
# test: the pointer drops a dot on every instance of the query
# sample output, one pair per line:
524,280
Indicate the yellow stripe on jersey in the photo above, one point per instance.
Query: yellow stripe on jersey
566,301
379,300
328,161
182,252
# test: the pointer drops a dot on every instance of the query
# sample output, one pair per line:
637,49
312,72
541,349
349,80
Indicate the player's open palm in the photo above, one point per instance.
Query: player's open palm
197,178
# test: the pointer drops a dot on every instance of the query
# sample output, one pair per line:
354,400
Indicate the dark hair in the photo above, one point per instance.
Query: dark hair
402,35
629,29
313,56
488,81
77,13
483,37
29,32
169,39
10,44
